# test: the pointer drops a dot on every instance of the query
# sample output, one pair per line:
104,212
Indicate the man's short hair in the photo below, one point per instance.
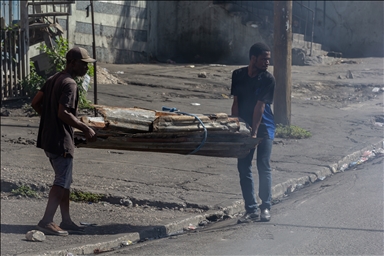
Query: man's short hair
257,49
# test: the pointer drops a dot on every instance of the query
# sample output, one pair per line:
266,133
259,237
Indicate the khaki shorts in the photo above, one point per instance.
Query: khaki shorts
63,169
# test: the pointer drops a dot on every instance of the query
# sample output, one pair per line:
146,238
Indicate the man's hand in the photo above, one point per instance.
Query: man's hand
90,134
235,107
253,133
67,117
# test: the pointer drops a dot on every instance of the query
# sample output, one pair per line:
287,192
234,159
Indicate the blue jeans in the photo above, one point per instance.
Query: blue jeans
244,166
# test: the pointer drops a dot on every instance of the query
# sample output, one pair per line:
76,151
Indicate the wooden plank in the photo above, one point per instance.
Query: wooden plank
52,2
178,146
120,113
9,59
187,119
229,151
95,122
127,119
154,137
186,139
197,127
161,123
48,14
5,64
19,63
174,145
131,129
189,123
233,151
16,63
3,68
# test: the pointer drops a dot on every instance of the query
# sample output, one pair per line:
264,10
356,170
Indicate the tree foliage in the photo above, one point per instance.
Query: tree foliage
56,56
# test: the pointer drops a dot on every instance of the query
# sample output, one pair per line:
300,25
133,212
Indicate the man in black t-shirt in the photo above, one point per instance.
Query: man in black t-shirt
252,89
56,102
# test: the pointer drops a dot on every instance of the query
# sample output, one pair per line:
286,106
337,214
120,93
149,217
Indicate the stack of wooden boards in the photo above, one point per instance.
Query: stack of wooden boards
140,129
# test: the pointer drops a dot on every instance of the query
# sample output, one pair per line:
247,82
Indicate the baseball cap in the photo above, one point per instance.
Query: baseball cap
78,53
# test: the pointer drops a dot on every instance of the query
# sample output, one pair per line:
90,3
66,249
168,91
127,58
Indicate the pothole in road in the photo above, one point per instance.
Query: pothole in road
379,119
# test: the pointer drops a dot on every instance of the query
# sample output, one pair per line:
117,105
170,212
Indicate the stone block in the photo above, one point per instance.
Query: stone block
298,37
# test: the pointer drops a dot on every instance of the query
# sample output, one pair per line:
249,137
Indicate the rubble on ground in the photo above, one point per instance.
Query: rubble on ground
104,77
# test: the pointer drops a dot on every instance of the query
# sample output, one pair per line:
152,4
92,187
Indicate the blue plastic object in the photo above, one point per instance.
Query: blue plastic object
169,109
198,119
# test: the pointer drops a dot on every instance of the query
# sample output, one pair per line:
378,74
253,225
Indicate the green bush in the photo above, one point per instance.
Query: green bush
25,191
34,82
291,132
79,196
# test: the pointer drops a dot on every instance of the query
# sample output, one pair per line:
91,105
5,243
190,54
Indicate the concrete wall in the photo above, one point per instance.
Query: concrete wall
121,29
202,31
199,31
354,28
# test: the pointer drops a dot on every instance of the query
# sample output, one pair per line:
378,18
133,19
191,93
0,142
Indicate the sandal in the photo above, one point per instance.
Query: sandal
51,229
72,227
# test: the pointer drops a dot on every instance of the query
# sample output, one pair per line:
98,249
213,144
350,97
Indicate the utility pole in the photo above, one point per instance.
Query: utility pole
94,56
24,25
282,52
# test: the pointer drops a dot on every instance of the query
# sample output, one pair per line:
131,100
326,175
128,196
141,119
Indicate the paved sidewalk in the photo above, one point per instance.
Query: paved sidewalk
168,191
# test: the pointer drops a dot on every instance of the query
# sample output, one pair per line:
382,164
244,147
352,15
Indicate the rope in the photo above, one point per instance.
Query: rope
175,110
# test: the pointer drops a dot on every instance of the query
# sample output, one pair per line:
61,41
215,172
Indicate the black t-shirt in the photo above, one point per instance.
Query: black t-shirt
55,136
249,90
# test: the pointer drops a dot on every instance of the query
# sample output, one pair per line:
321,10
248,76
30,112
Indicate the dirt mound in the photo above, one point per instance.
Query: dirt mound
104,77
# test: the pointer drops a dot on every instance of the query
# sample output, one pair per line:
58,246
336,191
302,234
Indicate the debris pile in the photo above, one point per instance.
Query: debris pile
176,132
367,155
104,77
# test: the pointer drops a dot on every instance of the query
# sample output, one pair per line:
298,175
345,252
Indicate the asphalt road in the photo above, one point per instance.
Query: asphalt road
342,215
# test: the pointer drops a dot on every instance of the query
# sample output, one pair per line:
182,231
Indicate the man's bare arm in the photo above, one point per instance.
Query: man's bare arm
235,107
37,101
67,117
257,116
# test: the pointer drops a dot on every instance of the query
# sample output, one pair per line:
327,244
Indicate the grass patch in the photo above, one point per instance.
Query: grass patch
25,191
291,132
79,196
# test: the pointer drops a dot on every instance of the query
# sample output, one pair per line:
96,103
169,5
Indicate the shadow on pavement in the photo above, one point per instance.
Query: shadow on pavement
110,229
16,229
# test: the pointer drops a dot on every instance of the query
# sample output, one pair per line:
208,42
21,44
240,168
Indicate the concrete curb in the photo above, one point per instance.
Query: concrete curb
282,188
90,248
236,207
